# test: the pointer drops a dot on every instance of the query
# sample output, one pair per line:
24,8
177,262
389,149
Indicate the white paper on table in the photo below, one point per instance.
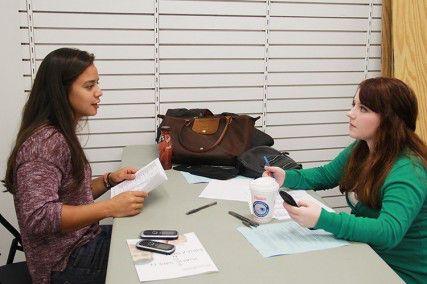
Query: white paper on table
189,258
281,214
146,179
232,189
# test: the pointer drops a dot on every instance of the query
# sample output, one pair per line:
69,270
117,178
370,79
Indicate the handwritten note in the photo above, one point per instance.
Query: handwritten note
146,179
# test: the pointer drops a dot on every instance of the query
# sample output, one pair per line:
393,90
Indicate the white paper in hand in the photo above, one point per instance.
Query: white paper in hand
146,179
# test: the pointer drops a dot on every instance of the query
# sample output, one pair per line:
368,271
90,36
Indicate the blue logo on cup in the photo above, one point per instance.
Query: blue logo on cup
260,208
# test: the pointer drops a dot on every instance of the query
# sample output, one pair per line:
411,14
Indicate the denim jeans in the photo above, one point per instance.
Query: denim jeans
88,263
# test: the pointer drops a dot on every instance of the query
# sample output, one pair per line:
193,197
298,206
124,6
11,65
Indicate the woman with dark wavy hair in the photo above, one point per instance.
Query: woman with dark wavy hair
383,175
51,180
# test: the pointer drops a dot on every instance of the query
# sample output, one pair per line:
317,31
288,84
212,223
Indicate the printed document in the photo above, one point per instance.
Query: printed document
189,258
288,238
146,179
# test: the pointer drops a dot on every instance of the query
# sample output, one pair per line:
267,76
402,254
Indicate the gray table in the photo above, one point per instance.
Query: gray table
236,259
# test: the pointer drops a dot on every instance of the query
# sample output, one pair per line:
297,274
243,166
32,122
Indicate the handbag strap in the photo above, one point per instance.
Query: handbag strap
204,149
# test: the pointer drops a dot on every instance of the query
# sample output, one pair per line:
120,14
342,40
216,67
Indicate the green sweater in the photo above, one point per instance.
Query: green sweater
397,231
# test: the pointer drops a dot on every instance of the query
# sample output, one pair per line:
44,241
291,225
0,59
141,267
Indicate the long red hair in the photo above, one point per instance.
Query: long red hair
366,170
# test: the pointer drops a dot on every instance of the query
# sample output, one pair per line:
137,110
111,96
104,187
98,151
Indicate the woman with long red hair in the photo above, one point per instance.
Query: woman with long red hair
383,175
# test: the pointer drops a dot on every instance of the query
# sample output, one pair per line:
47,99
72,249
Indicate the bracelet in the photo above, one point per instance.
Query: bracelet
106,179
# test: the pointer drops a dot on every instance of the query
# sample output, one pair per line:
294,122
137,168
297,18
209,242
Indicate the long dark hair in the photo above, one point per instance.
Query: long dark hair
366,170
48,105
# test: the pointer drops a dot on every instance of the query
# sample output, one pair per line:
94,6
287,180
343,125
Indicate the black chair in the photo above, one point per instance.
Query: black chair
13,272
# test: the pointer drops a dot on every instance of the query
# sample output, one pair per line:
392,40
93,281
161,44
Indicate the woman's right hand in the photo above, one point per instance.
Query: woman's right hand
277,173
127,203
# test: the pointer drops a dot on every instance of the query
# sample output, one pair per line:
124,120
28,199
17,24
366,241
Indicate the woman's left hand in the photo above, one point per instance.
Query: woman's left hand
126,173
307,214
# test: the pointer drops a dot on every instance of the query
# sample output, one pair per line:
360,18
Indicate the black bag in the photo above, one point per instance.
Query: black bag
210,171
251,163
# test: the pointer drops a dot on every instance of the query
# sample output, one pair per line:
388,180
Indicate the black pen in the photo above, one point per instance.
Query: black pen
201,207
242,218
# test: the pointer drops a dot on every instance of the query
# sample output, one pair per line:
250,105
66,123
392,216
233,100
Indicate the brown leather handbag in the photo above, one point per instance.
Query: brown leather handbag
214,140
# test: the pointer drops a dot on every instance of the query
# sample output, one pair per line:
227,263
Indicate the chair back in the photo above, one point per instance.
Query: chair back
16,242
14,273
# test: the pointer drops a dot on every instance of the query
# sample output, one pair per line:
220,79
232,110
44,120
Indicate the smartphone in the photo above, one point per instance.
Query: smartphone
159,234
288,198
155,247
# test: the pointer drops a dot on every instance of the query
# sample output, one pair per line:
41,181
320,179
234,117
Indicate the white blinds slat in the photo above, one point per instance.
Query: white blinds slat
104,52
322,24
118,111
91,21
304,65
127,96
245,107
318,10
211,94
117,125
212,52
192,22
340,38
312,143
212,8
211,66
306,117
89,37
308,105
331,51
125,6
212,37
116,139
308,130
212,80
314,155
312,91
315,78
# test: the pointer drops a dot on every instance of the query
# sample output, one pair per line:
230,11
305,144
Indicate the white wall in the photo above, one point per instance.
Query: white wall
12,100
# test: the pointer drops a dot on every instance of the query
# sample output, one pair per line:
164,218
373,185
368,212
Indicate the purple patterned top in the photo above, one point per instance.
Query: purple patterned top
43,184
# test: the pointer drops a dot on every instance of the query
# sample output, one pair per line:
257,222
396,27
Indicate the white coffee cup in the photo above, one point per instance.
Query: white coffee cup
263,196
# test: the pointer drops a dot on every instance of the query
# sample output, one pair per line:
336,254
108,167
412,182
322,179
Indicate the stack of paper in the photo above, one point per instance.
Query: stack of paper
146,179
